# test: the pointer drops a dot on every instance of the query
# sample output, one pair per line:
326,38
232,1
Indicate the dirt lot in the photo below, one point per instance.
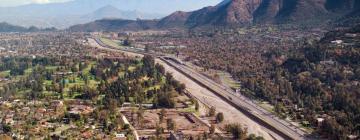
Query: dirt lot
185,122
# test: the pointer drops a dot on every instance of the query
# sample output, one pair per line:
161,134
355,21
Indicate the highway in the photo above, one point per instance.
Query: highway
281,127
286,129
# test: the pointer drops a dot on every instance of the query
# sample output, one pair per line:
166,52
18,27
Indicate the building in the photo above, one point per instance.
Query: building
120,136
80,109
320,121
337,42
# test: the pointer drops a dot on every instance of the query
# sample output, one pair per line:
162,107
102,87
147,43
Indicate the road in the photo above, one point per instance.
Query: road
286,129
242,109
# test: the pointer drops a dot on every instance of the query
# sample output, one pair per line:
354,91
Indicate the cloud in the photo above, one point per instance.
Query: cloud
40,1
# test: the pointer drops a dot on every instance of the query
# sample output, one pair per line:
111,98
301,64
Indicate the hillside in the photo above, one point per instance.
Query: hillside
114,25
250,12
113,12
244,12
325,78
6,27
72,12
236,12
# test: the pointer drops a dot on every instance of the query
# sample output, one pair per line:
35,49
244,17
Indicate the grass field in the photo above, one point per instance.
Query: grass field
228,80
4,74
112,43
51,67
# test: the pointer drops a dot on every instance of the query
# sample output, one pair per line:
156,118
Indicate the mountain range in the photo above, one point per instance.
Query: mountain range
242,13
63,15
245,12
6,27
226,13
50,18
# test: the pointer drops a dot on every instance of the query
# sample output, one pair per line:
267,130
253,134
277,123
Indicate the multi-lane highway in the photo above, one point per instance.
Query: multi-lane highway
282,128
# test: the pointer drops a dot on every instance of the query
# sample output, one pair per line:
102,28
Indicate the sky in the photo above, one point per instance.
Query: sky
6,3
10,3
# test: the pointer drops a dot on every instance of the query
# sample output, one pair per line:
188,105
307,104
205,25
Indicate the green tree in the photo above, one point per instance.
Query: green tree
127,42
197,105
220,117
6,128
236,130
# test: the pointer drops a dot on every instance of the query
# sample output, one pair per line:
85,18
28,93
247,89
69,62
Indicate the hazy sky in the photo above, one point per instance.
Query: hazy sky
6,3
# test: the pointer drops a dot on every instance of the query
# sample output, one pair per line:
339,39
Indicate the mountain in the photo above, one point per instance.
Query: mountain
6,27
65,14
249,12
280,11
349,20
114,25
233,12
299,11
245,12
113,12
177,19
64,19
105,12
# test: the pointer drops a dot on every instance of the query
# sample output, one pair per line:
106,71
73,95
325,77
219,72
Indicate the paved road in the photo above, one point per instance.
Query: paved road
253,111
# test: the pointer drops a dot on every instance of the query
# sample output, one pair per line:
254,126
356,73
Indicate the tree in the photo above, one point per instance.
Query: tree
6,128
236,130
160,69
159,130
162,115
140,117
171,125
127,42
197,105
212,129
205,136
169,77
165,100
110,104
280,109
90,93
212,111
254,137
181,88
148,61
220,117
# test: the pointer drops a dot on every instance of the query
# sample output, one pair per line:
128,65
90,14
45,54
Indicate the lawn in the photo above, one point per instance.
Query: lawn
131,68
153,88
112,43
86,71
5,73
28,71
228,80
51,67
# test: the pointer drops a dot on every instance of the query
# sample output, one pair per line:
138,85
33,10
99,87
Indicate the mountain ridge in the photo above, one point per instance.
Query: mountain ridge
250,12
6,27
65,14
243,12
